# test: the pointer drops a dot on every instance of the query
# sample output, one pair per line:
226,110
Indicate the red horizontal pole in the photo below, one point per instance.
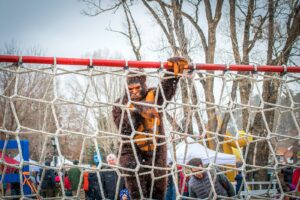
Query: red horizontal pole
141,64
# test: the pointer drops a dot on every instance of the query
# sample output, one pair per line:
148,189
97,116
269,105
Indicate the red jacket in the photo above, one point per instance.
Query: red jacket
296,177
67,183
181,178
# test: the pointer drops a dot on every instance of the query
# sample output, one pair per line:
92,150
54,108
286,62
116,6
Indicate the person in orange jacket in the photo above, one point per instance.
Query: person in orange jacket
85,182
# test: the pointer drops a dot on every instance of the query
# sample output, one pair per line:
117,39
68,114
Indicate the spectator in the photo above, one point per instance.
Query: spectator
296,176
171,192
74,177
4,187
110,179
48,182
286,188
199,183
183,182
288,174
85,182
67,184
94,192
239,181
15,187
296,179
57,188
124,194
38,178
33,178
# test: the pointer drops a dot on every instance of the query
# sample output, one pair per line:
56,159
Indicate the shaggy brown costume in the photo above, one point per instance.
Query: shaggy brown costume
139,118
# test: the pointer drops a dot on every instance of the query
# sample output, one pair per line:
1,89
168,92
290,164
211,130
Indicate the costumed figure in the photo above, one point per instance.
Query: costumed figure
140,118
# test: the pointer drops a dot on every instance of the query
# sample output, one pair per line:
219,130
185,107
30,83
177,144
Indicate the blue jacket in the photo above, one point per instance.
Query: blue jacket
171,192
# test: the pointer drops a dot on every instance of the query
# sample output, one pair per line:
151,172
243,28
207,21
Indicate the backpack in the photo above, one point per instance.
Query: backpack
226,184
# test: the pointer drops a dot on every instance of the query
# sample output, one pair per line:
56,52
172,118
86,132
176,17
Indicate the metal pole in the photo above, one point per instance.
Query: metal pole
142,64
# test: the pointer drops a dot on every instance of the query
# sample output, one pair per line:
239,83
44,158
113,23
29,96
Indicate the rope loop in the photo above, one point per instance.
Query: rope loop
126,67
90,66
284,70
20,61
254,69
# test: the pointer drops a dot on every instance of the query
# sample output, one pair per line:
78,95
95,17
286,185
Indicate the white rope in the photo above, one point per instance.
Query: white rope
95,99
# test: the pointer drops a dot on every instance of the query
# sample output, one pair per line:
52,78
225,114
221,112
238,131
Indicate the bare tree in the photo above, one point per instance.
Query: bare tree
22,90
259,18
171,19
254,22
132,32
95,89
27,92
271,87
174,30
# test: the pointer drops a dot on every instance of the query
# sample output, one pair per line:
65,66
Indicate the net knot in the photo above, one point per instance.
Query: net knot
227,67
254,69
284,70
90,66
193,68
161,67
126,67
20,61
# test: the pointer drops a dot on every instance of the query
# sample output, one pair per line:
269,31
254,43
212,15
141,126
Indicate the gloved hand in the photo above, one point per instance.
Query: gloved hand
178,64
146,112
149,112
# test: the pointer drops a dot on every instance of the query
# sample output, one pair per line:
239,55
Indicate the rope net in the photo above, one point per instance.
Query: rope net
243,125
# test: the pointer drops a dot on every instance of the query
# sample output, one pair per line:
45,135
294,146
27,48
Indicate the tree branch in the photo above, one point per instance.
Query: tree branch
170,38
198,29
173,122
257,33
233,35
293,35
129,19
270,32
218,12
208,11
96,8
247,32
179,29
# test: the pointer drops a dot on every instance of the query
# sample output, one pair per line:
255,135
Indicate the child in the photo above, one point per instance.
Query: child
124,194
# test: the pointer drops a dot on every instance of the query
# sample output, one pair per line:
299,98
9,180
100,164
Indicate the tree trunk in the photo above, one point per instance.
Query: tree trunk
260,128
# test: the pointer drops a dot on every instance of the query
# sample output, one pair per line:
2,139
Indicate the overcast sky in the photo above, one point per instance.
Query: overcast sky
59,28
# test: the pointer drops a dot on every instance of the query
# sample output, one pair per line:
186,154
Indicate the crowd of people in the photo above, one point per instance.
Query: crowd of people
96,185
108,183
289,178
198,182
